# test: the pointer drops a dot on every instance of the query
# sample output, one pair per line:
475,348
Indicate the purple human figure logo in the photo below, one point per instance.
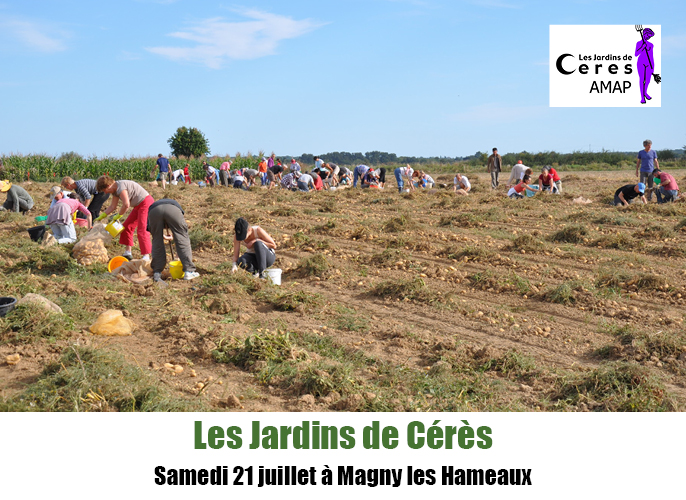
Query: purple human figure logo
645,65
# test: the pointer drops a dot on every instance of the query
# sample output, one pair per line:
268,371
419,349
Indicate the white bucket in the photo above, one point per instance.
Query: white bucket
274,275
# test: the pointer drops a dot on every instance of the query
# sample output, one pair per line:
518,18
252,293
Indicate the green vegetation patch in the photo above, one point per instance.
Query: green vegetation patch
29,323
86,379
616,386
572,233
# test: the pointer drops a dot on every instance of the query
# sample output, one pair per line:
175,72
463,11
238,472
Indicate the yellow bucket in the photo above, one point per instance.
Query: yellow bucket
114,228
176,269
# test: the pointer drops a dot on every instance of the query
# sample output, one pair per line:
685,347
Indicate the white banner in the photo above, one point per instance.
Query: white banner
226,455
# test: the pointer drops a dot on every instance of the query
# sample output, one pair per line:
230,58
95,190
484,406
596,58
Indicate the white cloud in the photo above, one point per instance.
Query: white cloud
218,41
35,35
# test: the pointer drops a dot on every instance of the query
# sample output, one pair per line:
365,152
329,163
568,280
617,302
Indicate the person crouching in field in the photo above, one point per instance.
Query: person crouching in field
60,218
426,181
261,246
305,181
168,214
133,195
546,181
625,194
88,194
667,186
517,192
18,199
210,174
461,185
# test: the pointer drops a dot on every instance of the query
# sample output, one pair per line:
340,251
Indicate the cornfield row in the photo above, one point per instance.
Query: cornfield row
47,168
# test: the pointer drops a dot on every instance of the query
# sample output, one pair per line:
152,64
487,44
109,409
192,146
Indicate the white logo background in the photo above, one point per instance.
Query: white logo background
599,87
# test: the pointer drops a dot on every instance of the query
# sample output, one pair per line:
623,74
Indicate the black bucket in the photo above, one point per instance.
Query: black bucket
37,233
6,305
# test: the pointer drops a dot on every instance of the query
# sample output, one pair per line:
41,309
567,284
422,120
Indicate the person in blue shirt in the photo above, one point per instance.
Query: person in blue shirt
163,165
646,162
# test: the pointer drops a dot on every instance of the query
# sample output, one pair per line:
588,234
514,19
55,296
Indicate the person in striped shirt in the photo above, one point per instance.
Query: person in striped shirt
88,194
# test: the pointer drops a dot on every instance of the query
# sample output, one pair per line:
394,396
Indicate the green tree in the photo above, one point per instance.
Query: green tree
188,142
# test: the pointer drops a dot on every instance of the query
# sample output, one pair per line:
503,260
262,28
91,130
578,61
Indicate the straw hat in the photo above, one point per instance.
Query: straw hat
5,186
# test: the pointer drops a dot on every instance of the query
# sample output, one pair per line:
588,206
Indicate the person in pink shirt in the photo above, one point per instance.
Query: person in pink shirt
224,173
668,186
60,217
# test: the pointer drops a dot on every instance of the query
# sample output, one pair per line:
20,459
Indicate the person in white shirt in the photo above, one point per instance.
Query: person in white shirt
461,185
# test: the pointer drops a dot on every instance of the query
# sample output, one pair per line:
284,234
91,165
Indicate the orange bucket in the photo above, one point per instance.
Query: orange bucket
116,262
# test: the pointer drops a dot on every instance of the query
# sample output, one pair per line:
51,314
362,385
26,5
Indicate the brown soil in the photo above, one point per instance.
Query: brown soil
472,254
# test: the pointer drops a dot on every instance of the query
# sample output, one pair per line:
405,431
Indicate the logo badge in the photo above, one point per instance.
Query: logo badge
605,66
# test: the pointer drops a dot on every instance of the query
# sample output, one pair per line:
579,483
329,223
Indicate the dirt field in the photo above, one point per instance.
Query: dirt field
420,302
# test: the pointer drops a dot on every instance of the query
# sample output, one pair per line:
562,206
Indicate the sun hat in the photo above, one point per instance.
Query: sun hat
54,191
519,162
641,188
5,186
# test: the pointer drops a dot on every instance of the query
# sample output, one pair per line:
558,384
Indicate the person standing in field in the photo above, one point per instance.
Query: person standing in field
646,162
88,194
262,169
187,174
133,195
295,166
163,165
167,214
495,164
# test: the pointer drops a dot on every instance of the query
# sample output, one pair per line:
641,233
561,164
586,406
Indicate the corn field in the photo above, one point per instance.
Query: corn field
40,168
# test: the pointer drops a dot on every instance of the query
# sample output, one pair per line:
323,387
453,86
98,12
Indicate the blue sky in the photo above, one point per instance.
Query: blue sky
412,77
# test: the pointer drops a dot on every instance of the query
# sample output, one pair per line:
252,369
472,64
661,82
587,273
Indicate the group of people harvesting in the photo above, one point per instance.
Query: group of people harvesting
155,222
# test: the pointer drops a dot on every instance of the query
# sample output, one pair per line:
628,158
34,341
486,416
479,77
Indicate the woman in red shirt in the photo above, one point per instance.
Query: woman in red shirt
517,191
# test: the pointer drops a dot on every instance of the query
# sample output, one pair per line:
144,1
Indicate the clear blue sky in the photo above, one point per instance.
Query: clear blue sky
412,77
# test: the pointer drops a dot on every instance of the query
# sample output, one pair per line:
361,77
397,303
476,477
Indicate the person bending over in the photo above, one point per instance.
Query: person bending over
625,194
167,214
133,195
